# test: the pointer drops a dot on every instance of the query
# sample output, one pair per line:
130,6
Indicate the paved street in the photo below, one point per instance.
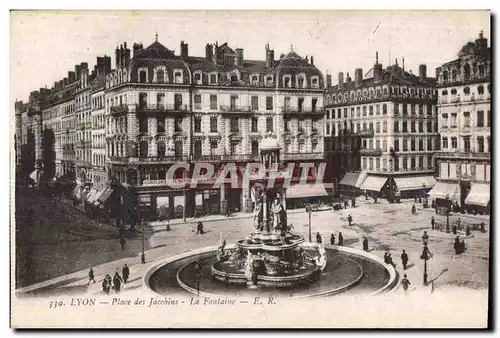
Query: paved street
67,250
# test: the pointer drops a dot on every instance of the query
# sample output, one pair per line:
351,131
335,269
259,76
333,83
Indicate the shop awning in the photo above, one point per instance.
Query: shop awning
306,190
442,189
479,194
353,179
105,195
96,197
373,183
414,183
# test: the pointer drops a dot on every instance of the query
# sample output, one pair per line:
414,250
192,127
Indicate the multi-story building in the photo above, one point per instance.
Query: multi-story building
464,109
163,108
383,130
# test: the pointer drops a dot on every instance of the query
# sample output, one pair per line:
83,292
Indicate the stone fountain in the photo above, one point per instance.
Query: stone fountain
272,255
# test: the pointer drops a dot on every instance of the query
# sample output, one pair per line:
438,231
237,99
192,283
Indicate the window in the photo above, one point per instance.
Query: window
377,127
213,147
384,127
300,102
371,126
255,148
429,162
413,127
178,77
197,148
142,76
413,109
315,146
339,113
233,147
454,143
213,102
287,103
489,119
213,124
197,124
178,124
466,119
421,144
315,82
160,76
396,109
345,110
377,144
396,126
466,90
364,163
143,149
160,125
480,90
364,110
413,162
302,146
301,125
413,144
480,144
429,126
269,124
213,78
445,143
287,82
384,145
197,77
197,101
143,124
405,109
234,125
178,101
405,127
358,111
467,144
255,103
327,128
384,109
405,163
405,144
255,125
370,161
377,109
421,127
255,79
421,109
371,110
429,144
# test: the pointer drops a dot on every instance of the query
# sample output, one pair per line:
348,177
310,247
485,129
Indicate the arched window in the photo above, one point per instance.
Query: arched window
160,76
481,71
445,75
466,72
453,91
466,90
454,75
444,92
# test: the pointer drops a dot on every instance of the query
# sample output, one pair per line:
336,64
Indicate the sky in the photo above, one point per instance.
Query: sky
46,45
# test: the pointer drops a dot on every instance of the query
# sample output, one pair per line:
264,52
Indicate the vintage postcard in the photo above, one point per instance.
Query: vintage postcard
250,169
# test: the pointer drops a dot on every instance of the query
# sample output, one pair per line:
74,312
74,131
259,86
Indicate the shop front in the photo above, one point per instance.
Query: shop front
478,199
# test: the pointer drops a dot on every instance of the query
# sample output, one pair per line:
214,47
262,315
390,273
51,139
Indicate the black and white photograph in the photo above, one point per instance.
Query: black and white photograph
251,169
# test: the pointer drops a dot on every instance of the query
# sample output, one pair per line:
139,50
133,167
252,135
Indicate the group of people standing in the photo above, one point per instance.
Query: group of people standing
114,283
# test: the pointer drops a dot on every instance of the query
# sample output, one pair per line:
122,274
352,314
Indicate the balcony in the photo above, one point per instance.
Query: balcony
120,109
207,158
83,164
370,152
463,155
303,110
154,108
235,109
303,156
236,158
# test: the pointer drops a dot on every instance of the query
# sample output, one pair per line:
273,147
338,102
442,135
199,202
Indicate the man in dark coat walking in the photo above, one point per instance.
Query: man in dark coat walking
365,243
345,204
122,242
341,239
433,222
199,228
349,219
318,238
332,239
106,284
91,276
117,282
404,259
125,273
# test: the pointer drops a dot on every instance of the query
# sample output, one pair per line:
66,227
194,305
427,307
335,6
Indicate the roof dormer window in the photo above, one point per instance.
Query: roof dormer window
314,82
254,79
160,75
287,81
198,77
142,75
214,77
178,76
269,80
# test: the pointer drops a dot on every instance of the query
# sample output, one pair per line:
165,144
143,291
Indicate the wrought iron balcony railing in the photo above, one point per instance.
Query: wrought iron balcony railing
161,107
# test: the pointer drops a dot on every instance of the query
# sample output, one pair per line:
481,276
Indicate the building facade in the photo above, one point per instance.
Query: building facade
383,131
464,109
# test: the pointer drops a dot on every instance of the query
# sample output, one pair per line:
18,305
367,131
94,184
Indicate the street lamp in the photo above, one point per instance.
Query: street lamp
143,256
448,202
425,254
309,211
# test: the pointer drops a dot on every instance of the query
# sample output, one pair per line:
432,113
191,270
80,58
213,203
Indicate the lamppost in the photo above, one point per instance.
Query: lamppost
143,257
448,202
309,211
425,255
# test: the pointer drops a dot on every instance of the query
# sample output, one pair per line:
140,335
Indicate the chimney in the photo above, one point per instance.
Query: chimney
422,71
238,62
137,49
209,52
328,81
107,64
118,57
126,55
78,68
122,56
377,69
61,84
269,57
71,77
358,76
184,50
341,80
348,78
312,60
56,85
403,64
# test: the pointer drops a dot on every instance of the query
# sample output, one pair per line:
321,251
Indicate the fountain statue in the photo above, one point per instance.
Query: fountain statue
272,254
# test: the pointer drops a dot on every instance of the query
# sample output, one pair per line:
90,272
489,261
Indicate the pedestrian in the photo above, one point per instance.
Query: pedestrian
413,209
91,276
341,239
405,283
318,238
122,242
375,199
125,273
386,257
404,260
332,239
456,246
459,223
454,229
345,204
390,261
467,230
483,230
106,284
168,224
416,199
365,243
349,219
353,203
117,282
199,228
433,222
